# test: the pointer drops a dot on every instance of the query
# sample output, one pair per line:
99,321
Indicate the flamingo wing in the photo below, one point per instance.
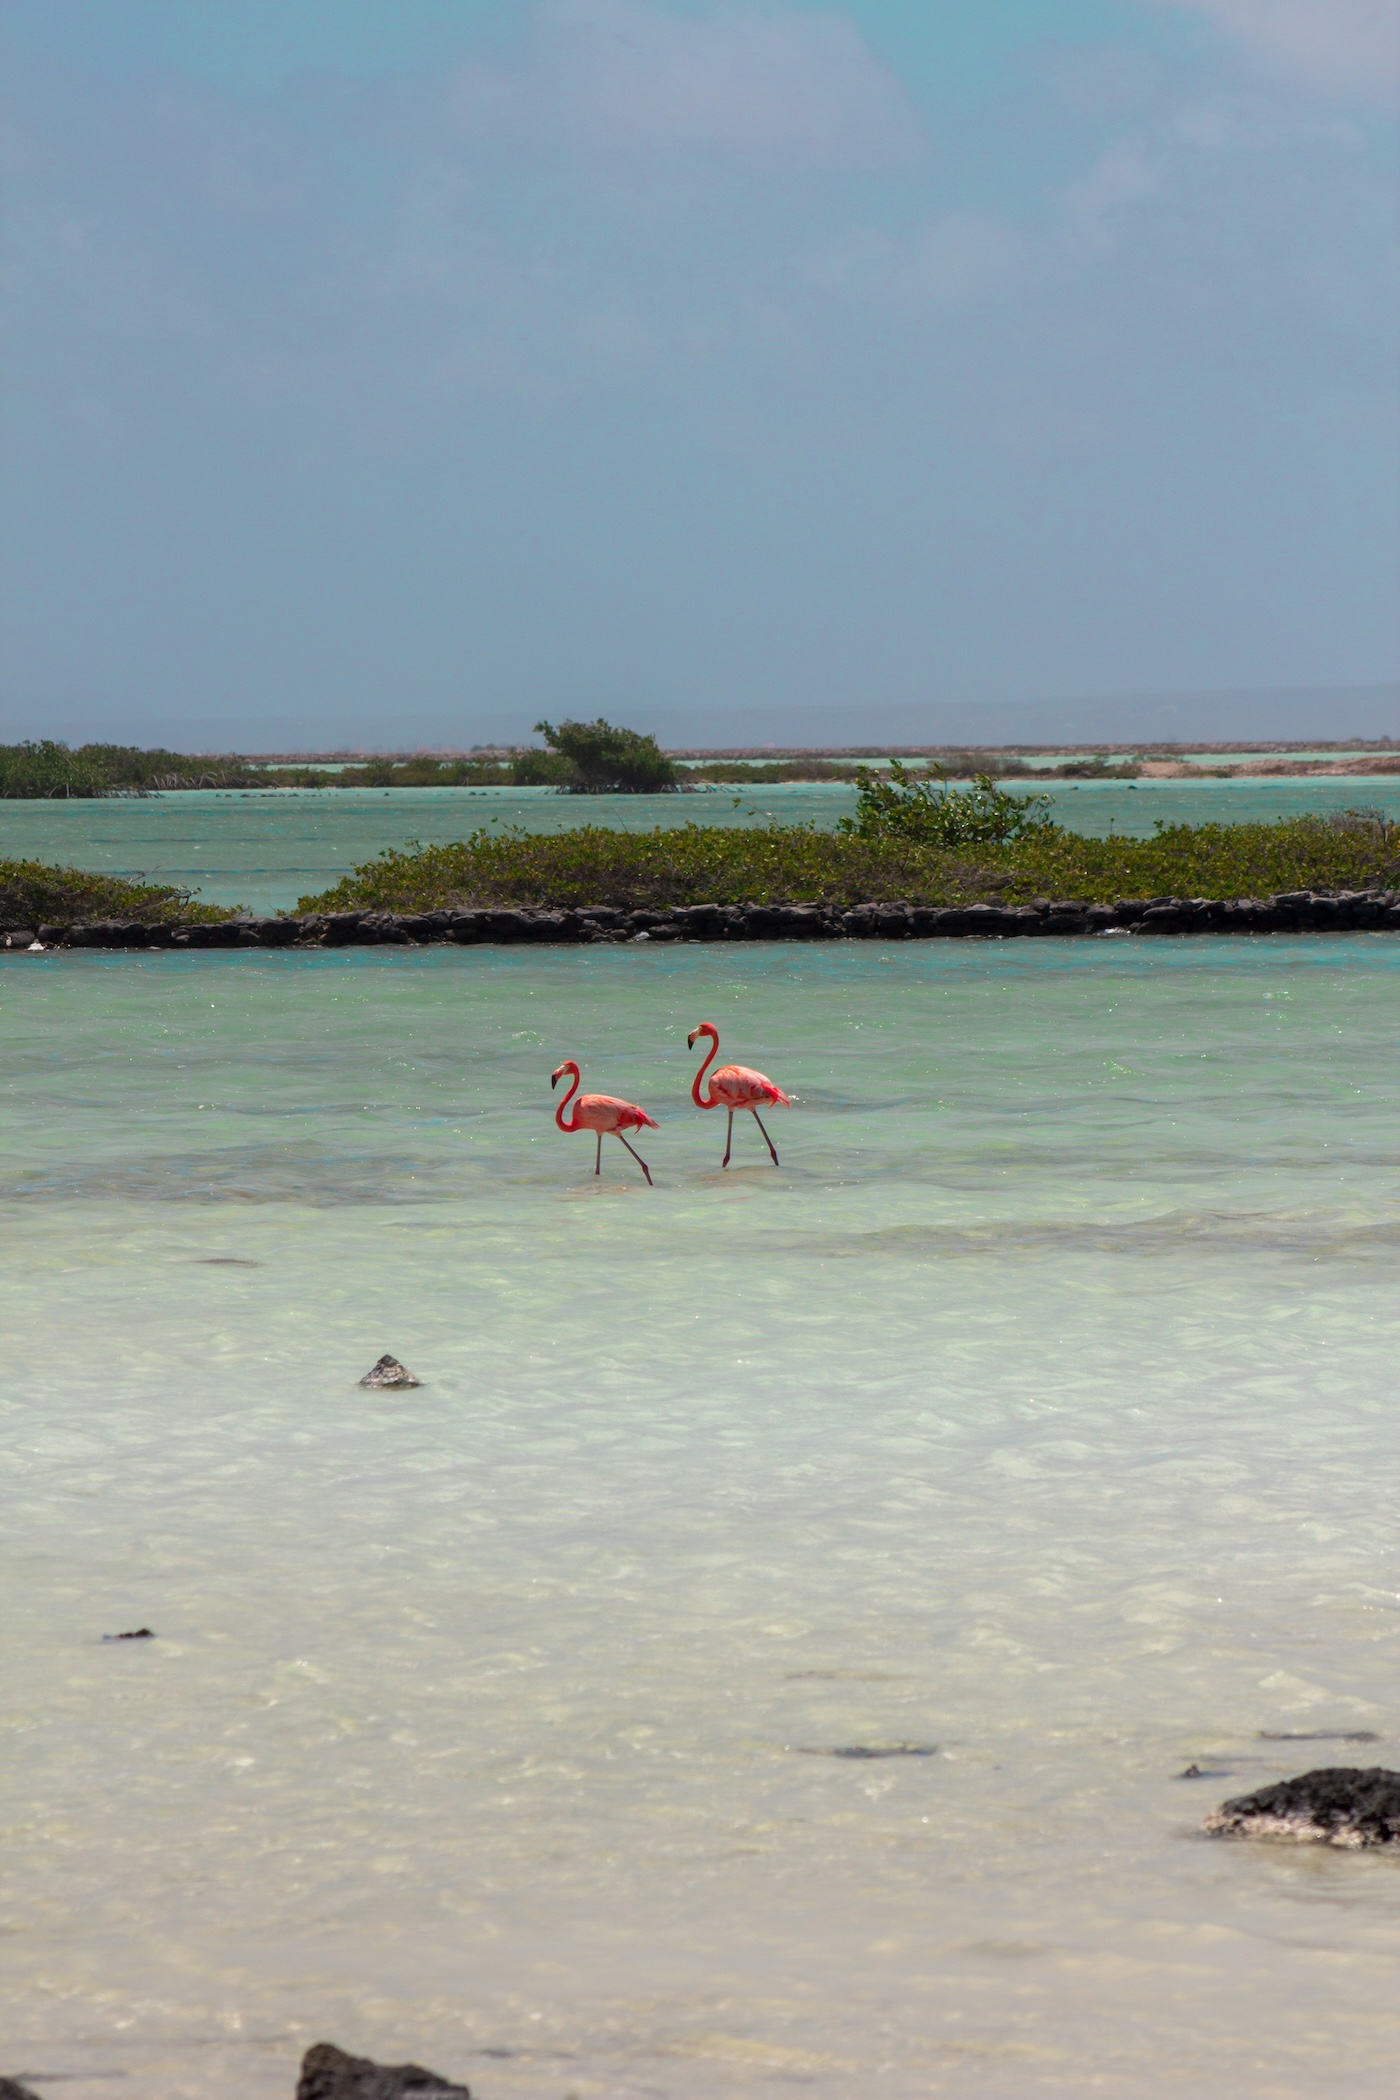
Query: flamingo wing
606,1112
636,1118
739,1087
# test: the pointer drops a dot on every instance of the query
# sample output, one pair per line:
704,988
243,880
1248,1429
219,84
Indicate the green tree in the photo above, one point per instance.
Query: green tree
537,769
609,761
930,813
34,772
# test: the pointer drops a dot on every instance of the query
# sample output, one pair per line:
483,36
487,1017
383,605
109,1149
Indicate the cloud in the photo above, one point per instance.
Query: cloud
1348,47
1125,176
621,77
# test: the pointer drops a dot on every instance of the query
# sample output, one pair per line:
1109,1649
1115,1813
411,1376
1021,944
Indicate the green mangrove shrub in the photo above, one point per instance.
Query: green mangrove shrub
603,760
705,864
42,770
929,812
36,893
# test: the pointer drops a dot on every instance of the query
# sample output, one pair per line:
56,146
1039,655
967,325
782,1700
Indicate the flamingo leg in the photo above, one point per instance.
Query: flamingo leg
598,1161
729,1141
636,1155
766,1139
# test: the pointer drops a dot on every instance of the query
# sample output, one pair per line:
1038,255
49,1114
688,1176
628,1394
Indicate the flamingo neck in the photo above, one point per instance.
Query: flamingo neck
695,1094
559,1111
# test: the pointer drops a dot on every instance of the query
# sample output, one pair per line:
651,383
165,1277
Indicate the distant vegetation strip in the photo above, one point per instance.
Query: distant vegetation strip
48,771
586,758
577,758
583,758
791,864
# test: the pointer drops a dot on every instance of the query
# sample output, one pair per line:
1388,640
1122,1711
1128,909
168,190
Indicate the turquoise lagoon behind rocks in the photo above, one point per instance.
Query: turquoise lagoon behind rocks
265,849
1040,1408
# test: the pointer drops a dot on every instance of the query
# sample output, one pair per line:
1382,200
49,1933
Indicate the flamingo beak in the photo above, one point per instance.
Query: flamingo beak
554,1080
690,1039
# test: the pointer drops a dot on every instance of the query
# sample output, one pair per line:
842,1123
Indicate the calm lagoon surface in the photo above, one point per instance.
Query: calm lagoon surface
266,848
1038,1413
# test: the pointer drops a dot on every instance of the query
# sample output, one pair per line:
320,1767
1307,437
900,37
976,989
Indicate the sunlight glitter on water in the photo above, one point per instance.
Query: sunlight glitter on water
1039,1408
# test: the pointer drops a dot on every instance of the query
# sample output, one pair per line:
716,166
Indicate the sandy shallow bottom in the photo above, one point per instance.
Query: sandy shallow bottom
1039,1411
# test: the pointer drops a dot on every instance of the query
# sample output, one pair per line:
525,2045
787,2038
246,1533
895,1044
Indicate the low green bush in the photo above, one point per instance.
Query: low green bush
700,864
926,811
34,893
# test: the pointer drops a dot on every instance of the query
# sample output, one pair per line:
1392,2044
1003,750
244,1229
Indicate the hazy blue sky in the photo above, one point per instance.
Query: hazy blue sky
400,370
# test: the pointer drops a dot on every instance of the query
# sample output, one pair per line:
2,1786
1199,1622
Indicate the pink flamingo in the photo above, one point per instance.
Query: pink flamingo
603,1113
734,1087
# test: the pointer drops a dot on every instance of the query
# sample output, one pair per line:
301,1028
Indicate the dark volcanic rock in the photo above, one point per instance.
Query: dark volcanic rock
343,927
382,929
1336,1805
389,1372
269,933
142,1633
327,2073
11,2089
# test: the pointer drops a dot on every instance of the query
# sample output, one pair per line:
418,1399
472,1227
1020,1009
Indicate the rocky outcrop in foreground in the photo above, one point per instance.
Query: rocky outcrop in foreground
389,1374
327,2073
1336,1805
1294,911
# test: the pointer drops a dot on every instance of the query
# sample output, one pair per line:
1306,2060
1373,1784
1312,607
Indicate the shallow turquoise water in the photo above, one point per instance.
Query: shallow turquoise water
267,849
1040,1407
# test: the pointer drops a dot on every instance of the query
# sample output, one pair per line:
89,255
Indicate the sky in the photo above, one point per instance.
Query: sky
398,372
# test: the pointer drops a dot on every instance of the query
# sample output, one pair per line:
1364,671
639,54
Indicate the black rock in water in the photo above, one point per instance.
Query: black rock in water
11,2089
327,2073
142,1633
1336,1805
872,1750
389,1372
1318,1735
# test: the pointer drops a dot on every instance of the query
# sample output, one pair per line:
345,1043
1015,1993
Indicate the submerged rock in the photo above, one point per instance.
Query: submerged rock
1318,1735
870,1750
1336,1805
327,2073
11,2089
389,1372
141,1633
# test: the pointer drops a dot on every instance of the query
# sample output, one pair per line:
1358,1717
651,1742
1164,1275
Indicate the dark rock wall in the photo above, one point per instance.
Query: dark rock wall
1299,911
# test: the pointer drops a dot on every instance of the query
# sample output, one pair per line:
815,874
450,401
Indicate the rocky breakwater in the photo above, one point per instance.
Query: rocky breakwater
1295,911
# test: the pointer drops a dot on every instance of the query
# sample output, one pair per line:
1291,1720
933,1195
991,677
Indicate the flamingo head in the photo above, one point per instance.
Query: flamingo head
706,1028
568,1066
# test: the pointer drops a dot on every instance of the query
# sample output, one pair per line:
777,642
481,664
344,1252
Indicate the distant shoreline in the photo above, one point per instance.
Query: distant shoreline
1146,748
